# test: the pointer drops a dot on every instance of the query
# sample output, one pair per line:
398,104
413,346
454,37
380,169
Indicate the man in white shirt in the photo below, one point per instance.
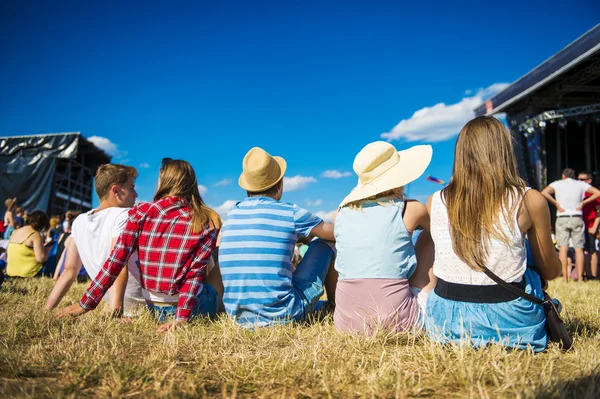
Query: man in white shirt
94,235
569,201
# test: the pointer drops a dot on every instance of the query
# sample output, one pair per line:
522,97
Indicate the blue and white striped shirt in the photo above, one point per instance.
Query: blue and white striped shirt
257,242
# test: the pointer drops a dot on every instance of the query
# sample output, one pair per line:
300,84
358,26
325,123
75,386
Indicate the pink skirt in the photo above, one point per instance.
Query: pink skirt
369,305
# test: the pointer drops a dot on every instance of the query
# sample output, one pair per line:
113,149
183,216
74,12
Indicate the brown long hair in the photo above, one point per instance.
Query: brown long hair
178,179
485,182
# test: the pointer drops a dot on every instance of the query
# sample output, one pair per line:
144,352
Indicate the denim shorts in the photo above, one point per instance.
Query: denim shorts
207,304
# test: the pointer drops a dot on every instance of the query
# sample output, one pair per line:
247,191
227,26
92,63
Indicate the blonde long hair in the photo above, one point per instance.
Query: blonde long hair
178,179
390,195
484,185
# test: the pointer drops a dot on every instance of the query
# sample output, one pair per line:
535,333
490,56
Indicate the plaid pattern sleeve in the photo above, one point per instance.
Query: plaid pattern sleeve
192,280
116,261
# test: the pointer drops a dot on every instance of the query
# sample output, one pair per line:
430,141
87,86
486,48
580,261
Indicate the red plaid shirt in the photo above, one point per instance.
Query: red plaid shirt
172,258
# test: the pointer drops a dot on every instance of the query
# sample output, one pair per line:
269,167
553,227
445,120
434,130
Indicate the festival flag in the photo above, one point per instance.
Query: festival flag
435,180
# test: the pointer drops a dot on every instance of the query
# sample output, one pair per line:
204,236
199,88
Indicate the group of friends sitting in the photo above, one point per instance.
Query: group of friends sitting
177,258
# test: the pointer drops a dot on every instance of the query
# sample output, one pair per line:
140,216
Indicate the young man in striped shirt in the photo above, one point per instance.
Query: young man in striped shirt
256,247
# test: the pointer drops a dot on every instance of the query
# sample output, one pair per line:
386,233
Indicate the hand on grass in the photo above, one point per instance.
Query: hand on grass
73,310
172,325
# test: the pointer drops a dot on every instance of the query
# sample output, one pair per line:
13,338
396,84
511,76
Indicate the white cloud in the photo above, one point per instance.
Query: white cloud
297,182
224,207
202,189
335,174
144,165
107,146
223,182
314,203
441,121
326,216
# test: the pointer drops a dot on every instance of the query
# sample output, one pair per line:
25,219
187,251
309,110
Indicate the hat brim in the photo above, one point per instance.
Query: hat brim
12,201
243,183
413,163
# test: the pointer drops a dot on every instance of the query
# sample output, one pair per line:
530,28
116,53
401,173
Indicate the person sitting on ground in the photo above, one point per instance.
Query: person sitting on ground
64,241
174,237
569,202
26,251
257,242
480,220
51,239
9,217
94,235
382,283
19,217
68,220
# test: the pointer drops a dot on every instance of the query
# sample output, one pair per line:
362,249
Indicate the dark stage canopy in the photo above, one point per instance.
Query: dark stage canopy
554,111
49,172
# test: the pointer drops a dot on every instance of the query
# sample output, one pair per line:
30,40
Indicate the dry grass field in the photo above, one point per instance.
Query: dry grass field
94,356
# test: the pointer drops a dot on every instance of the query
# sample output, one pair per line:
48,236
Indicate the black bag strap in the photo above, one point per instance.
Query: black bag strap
512,288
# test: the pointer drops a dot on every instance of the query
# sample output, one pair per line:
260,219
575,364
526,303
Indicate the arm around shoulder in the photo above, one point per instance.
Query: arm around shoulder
538,234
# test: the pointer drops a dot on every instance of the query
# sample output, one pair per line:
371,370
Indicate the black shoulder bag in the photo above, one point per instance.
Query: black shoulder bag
557,332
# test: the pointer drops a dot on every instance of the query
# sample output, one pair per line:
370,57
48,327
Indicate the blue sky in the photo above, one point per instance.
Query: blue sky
311,81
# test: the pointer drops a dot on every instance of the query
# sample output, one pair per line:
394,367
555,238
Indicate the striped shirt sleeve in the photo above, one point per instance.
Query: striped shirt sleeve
304,221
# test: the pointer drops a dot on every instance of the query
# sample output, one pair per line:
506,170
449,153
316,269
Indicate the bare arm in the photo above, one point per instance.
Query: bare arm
594,195
117,294
547,193
594,228
538,234
39,250
10,219
323,230
416,216
67,278
62,258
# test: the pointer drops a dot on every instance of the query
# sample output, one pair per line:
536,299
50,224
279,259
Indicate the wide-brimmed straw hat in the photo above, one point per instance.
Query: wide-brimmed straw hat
381,168
10,202
260,170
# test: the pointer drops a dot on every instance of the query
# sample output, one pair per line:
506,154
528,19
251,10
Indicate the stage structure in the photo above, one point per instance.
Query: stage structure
554,112
49,172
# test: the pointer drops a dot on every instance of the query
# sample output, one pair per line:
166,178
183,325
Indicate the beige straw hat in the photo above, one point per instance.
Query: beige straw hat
261,171
381,168
10,202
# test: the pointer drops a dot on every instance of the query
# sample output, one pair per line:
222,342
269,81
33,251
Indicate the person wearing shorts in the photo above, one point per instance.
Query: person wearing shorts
591,218
569,200
255,252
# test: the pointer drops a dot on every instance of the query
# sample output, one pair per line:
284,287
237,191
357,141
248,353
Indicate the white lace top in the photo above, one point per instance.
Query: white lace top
507,262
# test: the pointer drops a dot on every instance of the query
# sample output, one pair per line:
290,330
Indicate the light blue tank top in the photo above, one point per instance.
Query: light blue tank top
374,242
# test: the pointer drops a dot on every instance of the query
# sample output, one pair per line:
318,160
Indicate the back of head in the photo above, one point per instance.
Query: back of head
178,179
568,173
109,175
39,221
54,220
484,182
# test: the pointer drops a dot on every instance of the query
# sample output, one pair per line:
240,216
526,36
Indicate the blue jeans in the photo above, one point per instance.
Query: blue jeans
207,304
309,278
